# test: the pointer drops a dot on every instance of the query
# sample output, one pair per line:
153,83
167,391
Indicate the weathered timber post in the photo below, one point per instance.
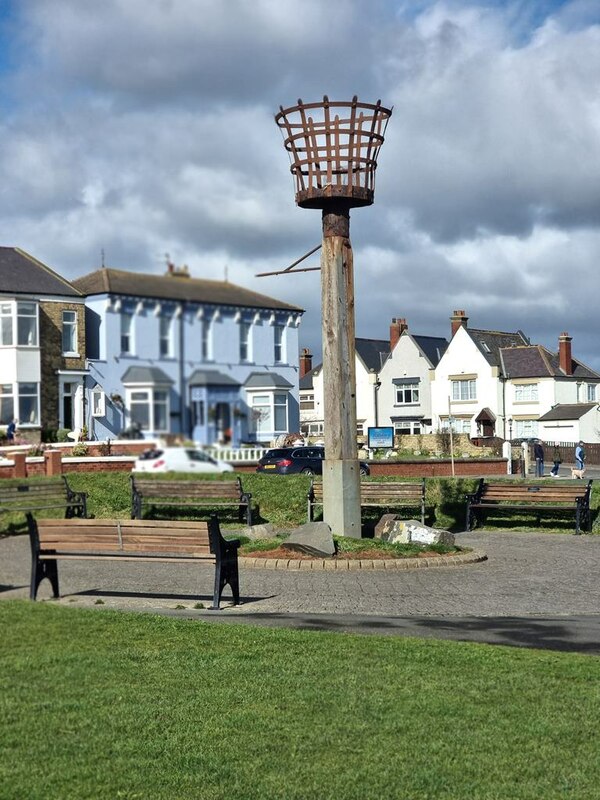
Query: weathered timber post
334,162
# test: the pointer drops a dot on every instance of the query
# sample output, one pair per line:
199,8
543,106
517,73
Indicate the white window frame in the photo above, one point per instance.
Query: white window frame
279,344
307,402
7,395
592,392
270,403
206,329
98,402
526,392
407,427
35,423
245,351
407,394
7,313
127,341
469,385
73,326
150,400
459,424
165,337
23,316
525,428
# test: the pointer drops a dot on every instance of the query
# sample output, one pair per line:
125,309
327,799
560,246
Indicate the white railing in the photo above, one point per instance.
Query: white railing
246,455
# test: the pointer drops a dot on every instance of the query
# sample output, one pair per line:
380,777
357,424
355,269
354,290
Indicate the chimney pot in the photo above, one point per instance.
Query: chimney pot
305,361
564,353
397,328
458,320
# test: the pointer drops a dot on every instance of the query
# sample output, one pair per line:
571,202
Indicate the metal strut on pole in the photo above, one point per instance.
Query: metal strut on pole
289,269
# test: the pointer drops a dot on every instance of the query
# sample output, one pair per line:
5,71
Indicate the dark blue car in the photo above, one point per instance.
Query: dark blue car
297,460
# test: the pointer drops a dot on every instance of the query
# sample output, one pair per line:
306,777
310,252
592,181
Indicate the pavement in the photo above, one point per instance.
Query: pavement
533,590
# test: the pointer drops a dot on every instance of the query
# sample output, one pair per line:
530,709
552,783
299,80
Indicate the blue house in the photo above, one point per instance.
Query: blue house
202,359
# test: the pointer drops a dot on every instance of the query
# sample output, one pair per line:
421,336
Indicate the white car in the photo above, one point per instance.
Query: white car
179,459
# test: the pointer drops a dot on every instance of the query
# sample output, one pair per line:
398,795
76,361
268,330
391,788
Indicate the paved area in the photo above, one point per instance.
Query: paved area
539,590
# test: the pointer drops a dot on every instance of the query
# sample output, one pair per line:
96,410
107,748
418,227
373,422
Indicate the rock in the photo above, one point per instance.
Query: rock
407,531
383,526
314,539
256,532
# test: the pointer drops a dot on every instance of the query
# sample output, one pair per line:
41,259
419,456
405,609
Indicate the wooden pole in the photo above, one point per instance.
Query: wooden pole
341,476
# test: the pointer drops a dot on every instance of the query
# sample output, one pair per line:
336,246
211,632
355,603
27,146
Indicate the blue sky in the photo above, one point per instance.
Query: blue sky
141,127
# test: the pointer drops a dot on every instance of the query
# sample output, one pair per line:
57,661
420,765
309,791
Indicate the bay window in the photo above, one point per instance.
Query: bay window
269,412
7,403
149,408
20,401
6,324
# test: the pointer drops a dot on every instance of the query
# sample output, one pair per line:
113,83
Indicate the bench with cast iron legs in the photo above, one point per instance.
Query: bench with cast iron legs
503,497
150,494
382,494
51,494
132,540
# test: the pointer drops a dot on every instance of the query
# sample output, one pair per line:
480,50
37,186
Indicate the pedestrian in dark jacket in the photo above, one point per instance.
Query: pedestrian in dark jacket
557,458
538,454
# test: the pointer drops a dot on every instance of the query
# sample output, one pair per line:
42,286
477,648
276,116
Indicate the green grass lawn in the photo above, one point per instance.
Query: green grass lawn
282,500
102,704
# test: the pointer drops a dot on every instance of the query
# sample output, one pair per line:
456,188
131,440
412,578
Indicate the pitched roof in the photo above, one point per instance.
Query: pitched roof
535,361
211,377
21,273
148,375
373,352
432,347
306,381
263,380
567,411
175,287
489,343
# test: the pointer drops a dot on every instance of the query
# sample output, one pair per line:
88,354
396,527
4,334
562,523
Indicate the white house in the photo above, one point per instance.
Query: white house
495,383
404,396
570,423
370,356
392,383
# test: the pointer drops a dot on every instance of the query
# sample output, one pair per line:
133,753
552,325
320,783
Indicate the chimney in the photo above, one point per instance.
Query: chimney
397,328
305,361
458,320
564,353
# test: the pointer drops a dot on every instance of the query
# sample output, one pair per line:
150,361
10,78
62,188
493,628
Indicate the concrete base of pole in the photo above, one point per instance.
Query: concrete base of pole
341,497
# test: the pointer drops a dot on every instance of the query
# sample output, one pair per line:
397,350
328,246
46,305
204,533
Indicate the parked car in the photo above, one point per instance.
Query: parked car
179,459
294,460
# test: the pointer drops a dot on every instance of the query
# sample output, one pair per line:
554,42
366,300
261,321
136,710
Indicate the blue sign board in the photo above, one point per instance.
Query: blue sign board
380,437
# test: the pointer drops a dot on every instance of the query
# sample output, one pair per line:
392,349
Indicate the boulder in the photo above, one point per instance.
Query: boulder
267,531
314,539
410,531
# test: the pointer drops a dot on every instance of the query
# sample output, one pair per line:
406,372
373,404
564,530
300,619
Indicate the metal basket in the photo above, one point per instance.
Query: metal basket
333,149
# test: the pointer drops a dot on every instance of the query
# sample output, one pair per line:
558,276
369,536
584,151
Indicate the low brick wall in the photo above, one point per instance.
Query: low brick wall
441,467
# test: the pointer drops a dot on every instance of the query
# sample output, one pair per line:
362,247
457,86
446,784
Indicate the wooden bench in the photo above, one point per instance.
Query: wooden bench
147,493
132,540
553,496
41,495
384,494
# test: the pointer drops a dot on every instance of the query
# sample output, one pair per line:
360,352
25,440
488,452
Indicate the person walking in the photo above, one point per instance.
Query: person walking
11,429
557,459
580,457
538,454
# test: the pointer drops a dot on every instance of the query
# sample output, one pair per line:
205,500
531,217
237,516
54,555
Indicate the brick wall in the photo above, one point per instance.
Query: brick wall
52,359
441,467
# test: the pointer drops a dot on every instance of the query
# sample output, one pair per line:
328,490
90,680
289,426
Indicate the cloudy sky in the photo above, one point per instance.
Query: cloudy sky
145,127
